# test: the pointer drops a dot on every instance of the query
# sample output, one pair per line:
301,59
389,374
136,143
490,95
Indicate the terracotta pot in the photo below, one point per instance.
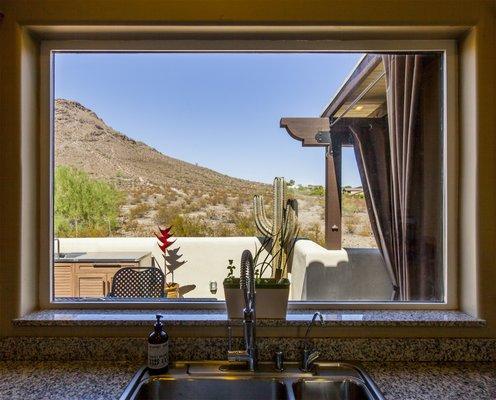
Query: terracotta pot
172,290
270,303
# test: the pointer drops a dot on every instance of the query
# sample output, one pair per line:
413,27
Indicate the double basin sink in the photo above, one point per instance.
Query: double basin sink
218,381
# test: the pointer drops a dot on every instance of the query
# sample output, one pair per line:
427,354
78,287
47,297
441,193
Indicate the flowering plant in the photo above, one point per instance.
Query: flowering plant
171,256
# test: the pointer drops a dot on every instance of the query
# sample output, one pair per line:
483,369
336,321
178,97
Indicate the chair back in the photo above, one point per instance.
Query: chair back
138,282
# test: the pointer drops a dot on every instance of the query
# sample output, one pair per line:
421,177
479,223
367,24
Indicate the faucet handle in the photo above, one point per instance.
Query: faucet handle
308,357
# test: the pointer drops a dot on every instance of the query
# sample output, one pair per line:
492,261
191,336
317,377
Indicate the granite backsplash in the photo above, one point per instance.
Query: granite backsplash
203,348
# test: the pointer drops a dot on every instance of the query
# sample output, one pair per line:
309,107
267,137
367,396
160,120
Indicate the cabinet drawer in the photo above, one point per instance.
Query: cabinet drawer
91,285
63,281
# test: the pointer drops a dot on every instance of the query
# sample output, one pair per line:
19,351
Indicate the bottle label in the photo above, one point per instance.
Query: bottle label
158,355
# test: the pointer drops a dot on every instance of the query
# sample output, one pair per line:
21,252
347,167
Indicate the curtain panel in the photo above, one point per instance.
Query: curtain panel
400,166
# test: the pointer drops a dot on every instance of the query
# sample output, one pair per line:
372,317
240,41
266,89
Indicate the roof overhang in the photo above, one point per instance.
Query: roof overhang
360,101
363,94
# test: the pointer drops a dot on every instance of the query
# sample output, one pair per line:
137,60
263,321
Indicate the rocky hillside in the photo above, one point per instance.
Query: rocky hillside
85,141
156,187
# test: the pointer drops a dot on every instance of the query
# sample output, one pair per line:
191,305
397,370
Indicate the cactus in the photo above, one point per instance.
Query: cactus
283,229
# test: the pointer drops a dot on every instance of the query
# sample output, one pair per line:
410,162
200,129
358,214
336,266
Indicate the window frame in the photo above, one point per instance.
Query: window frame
450,155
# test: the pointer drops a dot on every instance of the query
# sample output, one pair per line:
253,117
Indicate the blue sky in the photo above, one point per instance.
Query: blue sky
220,111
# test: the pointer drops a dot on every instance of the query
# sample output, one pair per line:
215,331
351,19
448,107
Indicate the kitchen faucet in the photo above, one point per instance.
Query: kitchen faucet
309,355
247,284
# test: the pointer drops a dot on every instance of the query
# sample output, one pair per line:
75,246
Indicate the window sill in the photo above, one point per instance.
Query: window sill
341,318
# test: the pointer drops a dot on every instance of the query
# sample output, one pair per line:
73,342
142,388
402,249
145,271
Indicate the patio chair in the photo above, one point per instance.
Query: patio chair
138,282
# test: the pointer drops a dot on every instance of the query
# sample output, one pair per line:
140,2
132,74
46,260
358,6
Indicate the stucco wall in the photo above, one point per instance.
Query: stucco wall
316,273
207,258
338,275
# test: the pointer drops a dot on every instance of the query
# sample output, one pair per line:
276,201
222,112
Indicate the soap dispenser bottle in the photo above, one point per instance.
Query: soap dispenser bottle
158,349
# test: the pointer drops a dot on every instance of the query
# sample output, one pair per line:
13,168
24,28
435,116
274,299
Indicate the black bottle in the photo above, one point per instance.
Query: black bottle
158,349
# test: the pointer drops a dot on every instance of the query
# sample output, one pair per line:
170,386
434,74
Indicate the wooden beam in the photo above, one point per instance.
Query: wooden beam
332,206
337,144
343,124
305,129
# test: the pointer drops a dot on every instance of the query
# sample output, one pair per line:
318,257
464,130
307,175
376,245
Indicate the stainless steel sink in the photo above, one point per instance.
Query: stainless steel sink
220,380
68,256
325,389
211,389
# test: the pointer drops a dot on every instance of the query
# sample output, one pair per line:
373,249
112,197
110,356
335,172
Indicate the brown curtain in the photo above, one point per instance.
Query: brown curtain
398,166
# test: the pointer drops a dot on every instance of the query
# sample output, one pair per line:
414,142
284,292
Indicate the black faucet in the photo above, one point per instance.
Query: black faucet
308,354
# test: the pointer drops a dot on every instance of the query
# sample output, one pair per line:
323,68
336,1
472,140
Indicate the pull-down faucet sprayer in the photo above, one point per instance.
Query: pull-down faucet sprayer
247,284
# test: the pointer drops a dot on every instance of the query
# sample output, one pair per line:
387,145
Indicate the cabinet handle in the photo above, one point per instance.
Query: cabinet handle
104,287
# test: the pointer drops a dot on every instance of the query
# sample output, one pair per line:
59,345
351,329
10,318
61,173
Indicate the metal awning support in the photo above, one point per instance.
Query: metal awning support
315,132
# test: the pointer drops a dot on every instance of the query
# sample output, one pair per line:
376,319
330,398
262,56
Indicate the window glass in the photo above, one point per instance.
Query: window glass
158,157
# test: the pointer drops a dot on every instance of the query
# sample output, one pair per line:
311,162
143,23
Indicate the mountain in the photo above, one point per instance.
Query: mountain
156,187
83,140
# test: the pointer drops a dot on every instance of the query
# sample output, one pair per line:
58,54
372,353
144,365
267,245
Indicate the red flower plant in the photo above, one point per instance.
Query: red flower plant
165,235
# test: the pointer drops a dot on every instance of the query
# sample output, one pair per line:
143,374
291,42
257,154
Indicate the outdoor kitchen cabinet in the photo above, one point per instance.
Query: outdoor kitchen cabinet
85,280
90,279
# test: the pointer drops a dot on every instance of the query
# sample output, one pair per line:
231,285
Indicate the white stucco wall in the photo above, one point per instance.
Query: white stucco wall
350,274
207,257
315,274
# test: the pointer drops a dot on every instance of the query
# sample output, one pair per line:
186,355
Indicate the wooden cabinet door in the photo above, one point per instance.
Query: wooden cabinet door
91,285
63,280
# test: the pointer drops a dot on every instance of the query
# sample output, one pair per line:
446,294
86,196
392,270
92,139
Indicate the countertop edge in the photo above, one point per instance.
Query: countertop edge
209,318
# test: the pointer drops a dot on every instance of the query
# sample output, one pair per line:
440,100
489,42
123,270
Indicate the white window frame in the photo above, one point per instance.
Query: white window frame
450,155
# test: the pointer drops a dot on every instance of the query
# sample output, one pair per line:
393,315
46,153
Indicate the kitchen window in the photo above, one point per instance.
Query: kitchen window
376,211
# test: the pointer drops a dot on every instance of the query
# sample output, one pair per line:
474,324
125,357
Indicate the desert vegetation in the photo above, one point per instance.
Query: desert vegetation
90,207
84,206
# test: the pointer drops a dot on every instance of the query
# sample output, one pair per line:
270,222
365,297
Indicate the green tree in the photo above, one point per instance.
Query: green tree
84,206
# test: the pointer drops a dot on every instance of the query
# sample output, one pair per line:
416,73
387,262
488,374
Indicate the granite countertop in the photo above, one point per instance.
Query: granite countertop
106,380
103,257
332,318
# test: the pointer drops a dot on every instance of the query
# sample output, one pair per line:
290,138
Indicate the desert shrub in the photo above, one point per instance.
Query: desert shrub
365,230
187,226
139,211
219,197
236,206
244,225
223,230
169,197
84,206
314,233
93,231
211,215
353,204
202,203
131,227
316,190
138,196
166,213
351,223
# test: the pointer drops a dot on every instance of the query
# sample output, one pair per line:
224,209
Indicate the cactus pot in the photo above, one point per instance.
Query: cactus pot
271,300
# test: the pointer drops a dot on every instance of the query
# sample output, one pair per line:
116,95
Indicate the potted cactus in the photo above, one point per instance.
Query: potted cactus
271,259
